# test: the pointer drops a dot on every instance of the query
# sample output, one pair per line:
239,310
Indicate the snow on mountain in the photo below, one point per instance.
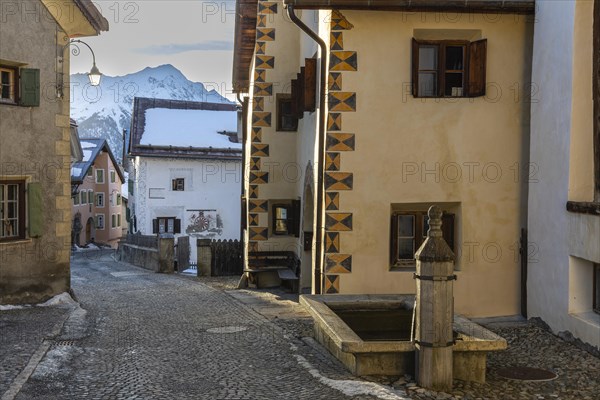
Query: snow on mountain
104,111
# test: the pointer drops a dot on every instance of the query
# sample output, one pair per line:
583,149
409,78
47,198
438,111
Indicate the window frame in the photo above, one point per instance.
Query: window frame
98,196
287,219
100,218
113,221
420,227
281,98
474,75
13,98
99,172
21,218
156,224
175,185
113,176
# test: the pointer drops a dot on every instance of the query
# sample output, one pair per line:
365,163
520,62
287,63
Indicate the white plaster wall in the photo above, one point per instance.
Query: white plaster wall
209,185
555,280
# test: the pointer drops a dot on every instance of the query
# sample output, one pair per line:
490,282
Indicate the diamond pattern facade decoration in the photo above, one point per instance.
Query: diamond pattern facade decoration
253,192
332,201
332,161
260,76
332,284
264,62
343,61
334,122
258,206
261,47
256,135
339,180
252,246
263,89
255,163
338,263
259,177
265,34
336,41
332,242
259,150
341,142
335,81
261,118
253,219
258,103
258,233
338,221
342,101
339,22
267,7
261,21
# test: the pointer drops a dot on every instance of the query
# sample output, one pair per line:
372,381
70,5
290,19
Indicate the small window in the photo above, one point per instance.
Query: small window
166,225
83,194
76,199
12,210
409,231
596,300
8,84
91,197
99,221
113,176
113,221
178,184
285,218
446,68
118,199
286,120
99,199
99,176
119,220
90,172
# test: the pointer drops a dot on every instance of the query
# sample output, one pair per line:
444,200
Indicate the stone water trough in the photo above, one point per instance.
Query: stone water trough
371,335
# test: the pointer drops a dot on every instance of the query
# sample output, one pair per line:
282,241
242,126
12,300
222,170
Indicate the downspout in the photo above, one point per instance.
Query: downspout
243,199
321,149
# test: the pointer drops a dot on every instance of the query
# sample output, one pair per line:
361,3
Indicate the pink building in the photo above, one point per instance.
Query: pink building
97,214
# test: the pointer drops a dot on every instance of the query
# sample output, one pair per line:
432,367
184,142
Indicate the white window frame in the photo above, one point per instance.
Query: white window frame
13,82
100,181
100,222
98,196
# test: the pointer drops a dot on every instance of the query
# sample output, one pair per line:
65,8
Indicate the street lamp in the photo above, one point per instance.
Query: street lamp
94,75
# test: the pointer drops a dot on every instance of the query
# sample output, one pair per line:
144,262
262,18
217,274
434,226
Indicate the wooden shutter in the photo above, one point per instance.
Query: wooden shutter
310,84
448,229
294,218
295,94
300,97
155,225
477,68
415,68
177,226
29,87
35,207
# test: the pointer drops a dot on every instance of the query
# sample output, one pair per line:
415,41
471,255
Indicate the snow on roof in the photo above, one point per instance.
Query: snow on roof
184,128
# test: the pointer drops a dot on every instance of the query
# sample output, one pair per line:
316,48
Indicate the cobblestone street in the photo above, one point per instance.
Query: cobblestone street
140,335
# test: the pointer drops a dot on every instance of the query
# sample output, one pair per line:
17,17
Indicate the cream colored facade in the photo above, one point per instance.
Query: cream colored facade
35,149
394,152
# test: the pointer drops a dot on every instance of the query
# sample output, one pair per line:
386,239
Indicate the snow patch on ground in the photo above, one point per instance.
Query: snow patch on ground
63,298
350,388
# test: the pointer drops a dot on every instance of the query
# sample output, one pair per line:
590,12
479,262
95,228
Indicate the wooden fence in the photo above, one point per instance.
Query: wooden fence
225,257
150,241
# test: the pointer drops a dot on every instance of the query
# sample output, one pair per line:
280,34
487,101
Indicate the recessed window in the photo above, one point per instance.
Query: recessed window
285,218
445,68
113,221
90,172
409,231
596,300
118,199
113,176
119,220
99,176
99,199
12,210
99,221
83,194
287,121
8,84
166,225
178,184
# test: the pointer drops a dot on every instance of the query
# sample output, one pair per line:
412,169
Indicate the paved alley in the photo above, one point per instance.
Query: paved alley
141,335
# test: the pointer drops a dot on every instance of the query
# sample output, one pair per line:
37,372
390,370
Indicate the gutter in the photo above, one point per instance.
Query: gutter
321,149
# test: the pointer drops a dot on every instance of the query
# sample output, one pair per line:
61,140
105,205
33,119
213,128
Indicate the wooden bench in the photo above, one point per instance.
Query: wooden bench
273,268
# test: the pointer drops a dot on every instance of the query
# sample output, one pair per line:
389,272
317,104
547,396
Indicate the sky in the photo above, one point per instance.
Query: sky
195,36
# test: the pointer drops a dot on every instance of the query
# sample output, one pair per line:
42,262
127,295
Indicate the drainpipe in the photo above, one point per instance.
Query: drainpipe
243,199
321,150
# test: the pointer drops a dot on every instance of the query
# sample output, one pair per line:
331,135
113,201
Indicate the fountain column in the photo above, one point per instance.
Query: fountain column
434,308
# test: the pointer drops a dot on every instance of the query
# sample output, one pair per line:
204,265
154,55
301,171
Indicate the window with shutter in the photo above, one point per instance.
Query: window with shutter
286,120
409,231
285,218
12,210
8,84
29,87
448,68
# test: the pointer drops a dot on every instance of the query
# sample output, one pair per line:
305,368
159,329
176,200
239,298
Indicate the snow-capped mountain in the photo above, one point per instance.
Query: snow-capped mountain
104,111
